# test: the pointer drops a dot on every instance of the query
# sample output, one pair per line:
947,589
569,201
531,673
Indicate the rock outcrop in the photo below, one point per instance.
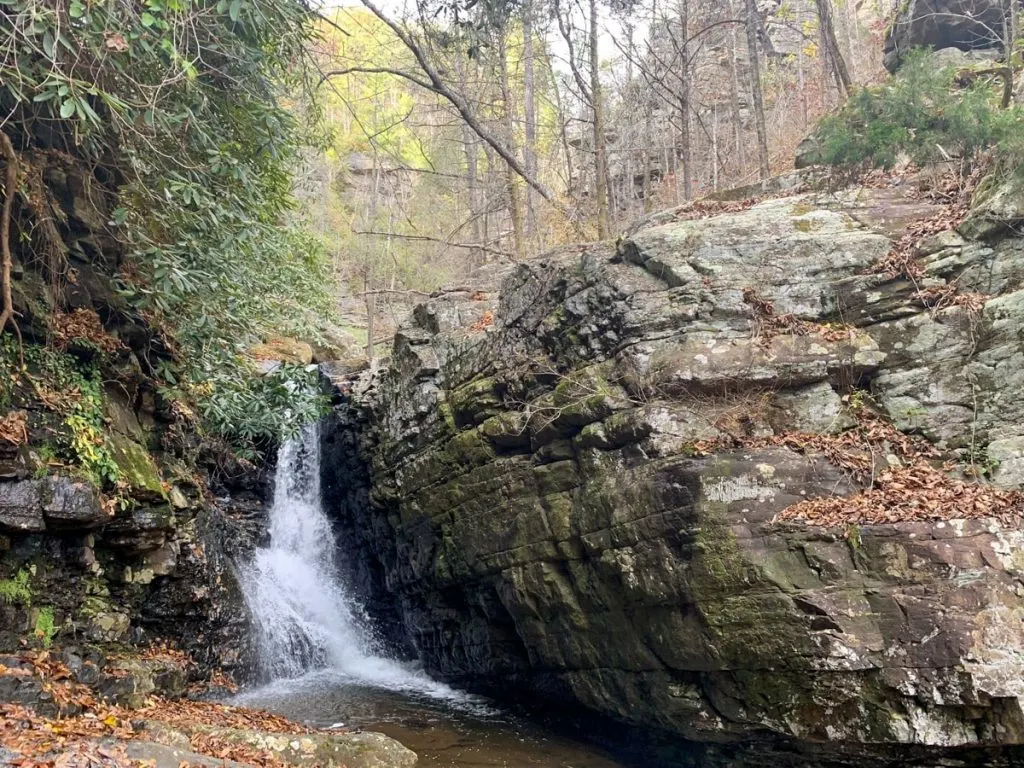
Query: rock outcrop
572,489
117,522
969,25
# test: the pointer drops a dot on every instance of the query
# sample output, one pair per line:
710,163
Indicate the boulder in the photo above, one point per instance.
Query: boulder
335,344
963,24
997,208
282,349
955,58
130,682
56,502
21,507
71,503
808,153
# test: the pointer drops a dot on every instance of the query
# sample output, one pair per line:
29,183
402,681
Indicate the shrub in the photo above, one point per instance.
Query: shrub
184,104
921,114
16,590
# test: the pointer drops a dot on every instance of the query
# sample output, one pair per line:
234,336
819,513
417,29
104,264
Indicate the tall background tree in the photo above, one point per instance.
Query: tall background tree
547,121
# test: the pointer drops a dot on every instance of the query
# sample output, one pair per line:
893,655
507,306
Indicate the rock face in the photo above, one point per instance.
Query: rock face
554,489
117,523
964,24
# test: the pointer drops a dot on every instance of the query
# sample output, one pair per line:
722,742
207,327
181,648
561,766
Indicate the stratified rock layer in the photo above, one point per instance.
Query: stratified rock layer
545,512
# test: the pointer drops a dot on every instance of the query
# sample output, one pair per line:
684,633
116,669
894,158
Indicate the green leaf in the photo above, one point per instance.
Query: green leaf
235,9
148,19
67,109
76,10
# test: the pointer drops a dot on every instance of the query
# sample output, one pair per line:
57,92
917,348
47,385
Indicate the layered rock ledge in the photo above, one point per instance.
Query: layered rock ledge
571,487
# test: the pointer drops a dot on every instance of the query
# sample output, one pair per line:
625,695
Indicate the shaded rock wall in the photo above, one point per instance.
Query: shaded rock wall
964,24
556,508
117,523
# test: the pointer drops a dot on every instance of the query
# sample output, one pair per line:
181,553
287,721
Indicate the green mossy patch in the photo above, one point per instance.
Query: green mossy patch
137,468
474,402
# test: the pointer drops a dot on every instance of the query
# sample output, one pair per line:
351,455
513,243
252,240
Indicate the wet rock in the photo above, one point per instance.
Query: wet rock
85,664
57,502
107,626
137,468
314,750
21,507
71,504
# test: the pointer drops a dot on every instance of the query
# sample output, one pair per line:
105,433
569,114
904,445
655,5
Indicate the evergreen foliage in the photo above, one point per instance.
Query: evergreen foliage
180,103
923,115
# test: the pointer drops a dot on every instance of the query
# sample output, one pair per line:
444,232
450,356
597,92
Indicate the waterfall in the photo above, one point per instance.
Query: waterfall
303,618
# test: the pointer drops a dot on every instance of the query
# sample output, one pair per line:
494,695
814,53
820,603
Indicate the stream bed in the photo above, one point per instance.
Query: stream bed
446,728
315,642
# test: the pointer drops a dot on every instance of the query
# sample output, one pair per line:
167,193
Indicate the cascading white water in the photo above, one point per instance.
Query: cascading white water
303,619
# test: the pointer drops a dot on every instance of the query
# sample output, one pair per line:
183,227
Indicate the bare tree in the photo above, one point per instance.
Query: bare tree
529,115
756,88
515,203
830,45
684,98
432,80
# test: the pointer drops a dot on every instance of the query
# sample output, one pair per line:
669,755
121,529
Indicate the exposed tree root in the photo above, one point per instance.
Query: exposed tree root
6,259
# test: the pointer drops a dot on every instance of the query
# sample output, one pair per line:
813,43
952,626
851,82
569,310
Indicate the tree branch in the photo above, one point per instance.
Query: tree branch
427,238
436,84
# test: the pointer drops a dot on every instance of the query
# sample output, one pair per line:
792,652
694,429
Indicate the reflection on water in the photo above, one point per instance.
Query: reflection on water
459,731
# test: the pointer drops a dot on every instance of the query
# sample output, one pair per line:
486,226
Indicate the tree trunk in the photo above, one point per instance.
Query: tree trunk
7,260
1011,33
684,99
734,95
805,110
529,118
472,155
600,161
570,189
515,205
831,48
470,150
764,171
714,149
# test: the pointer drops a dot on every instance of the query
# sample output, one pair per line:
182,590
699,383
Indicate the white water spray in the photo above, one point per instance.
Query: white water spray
304,620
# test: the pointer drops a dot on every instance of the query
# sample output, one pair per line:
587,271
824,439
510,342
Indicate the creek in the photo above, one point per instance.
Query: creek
322,665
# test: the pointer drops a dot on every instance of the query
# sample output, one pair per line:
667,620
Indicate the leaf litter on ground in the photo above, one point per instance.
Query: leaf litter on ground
92,736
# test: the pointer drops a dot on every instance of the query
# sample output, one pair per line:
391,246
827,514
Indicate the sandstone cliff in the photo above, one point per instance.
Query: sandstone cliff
598,485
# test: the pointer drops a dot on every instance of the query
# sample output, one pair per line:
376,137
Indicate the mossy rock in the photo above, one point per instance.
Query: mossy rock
137,468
